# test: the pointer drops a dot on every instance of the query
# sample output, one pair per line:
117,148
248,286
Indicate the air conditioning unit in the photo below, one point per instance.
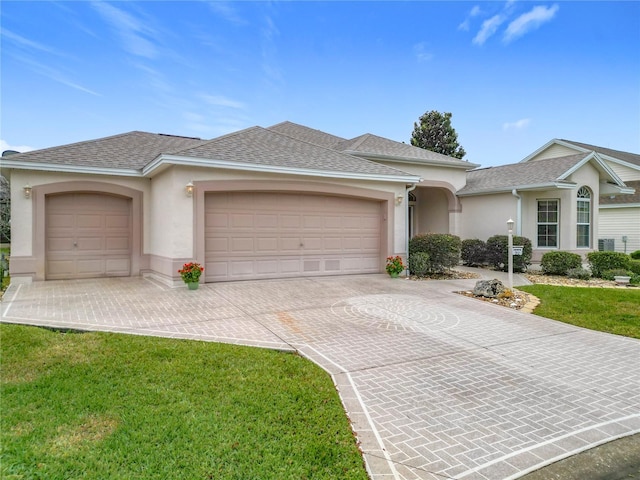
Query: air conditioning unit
606,244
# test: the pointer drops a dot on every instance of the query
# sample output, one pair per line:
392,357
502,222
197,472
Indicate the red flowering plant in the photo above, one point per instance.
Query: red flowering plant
394,265
190,272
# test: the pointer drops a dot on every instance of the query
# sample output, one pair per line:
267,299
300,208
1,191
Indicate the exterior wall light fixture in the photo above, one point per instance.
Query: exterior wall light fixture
27,191
189,189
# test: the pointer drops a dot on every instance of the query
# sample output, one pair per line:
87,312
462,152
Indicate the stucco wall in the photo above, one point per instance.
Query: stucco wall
483,216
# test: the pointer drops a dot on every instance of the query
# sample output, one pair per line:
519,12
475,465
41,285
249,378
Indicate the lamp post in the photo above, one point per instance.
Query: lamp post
510,252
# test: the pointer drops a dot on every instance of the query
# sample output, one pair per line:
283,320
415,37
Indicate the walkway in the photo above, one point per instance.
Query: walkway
437,385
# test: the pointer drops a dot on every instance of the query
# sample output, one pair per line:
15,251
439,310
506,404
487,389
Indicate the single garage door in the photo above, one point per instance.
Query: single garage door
88,235
252,235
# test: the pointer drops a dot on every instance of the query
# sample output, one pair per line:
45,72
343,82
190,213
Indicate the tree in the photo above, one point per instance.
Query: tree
434,132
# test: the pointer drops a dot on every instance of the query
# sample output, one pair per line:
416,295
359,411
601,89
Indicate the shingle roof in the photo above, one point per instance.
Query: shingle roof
306,134
130,150
520,175
623,199
624,156
374,146
261,146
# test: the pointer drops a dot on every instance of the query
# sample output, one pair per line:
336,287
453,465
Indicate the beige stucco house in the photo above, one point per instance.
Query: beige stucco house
619,215
282,201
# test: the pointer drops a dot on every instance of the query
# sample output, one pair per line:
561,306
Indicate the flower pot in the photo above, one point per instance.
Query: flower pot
622,279
193,285
394,274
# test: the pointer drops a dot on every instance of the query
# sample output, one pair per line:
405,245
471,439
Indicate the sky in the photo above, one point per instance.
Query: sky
514,74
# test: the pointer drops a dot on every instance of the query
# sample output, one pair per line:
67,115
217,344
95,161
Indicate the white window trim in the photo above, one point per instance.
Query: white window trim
557,247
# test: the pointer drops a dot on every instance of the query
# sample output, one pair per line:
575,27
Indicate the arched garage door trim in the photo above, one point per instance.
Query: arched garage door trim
204,187
39,194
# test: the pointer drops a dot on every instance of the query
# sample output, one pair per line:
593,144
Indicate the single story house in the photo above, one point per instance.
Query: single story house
282,201
619,215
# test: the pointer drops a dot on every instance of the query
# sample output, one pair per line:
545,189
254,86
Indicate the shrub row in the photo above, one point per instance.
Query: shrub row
494,252
605,265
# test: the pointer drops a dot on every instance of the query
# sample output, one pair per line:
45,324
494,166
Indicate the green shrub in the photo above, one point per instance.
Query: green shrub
497,247
634,266
616,272
419,263
558,262
473,252
579,273
635,255
601,261
443,250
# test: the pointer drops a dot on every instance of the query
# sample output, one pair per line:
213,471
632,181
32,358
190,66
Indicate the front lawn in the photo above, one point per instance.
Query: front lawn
610,310
99,405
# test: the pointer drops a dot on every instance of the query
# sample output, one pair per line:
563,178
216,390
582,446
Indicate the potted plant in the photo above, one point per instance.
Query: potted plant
190,273
394,266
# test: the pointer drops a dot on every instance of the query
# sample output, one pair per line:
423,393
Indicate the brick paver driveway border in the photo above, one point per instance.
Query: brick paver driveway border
437,385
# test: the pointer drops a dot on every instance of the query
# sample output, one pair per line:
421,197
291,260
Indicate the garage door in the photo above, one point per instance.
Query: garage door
251,235
87,235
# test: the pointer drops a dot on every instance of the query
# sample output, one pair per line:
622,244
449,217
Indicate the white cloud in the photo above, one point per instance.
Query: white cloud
517,125
421,52
227,11
474,12
4,145
29,44
222,101
489,27
133,33
529,21
57,76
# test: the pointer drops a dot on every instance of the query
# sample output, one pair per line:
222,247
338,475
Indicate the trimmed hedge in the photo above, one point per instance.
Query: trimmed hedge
635,255
559,262
473,252
443,250
579,273
497,247
419,263
634,266
601,261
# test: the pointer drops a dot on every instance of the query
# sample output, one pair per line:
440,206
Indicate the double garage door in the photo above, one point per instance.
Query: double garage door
253,235
87,235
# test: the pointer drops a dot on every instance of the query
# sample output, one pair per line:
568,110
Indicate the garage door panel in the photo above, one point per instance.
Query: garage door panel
270,235
288,221
239,245
241,220
60,220
89,221
117,244
217,220
267,245
267,221
216,244
61,244
90,244
87,235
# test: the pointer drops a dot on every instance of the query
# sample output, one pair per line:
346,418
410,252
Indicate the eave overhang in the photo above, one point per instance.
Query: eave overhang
509,189
164,161
392,158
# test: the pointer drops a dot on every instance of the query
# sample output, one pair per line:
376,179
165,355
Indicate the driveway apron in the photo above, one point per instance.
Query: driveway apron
437,385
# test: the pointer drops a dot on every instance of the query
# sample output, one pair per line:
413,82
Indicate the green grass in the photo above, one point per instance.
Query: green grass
99,405
604,309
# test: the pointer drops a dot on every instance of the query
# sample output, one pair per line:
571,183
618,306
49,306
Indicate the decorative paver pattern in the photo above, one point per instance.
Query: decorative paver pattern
436,385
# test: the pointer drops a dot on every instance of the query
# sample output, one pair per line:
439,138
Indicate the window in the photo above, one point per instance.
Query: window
583,230
548,223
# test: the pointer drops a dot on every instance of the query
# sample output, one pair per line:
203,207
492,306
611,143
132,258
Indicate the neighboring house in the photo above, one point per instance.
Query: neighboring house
619,215
283,201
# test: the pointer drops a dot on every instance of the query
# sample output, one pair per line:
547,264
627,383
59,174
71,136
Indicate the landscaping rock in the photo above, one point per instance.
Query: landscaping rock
488,288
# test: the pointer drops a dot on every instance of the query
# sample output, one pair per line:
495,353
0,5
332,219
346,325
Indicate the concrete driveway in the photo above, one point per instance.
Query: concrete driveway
437,385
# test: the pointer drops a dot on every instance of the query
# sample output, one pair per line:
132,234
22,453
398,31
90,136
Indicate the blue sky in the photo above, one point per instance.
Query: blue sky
513,74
